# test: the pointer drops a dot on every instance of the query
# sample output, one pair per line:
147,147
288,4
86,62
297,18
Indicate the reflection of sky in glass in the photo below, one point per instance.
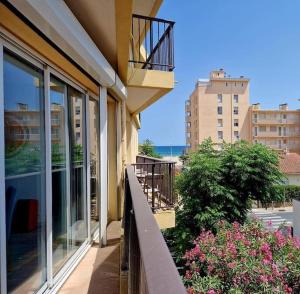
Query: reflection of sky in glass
27,79
57,97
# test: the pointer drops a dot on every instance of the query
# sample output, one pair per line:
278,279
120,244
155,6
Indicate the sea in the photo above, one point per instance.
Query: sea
169,150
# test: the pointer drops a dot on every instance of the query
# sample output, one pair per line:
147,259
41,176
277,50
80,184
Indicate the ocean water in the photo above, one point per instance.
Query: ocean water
169,150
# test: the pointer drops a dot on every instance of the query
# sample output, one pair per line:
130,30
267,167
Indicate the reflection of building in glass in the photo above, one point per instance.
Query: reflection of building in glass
77,115
24,126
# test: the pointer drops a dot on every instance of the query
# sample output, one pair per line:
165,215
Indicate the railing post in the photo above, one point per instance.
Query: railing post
153,195
126,224
134,258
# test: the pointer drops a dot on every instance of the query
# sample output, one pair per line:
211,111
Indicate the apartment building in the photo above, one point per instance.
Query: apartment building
218,108
278,128
74,76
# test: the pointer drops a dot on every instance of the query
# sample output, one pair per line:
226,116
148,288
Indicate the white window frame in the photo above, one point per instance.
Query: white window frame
3,269
220,132
236,110
220,98
220,107
53,282
234,98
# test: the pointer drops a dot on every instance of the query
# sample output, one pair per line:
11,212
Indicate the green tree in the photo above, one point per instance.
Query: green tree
147,149
221,184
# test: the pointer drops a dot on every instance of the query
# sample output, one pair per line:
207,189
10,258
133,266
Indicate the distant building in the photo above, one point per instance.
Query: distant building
290,165
218,108
278,129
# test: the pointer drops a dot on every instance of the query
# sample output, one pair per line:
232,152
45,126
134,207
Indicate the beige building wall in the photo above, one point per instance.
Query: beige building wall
218,108
278,129
293,179
132,127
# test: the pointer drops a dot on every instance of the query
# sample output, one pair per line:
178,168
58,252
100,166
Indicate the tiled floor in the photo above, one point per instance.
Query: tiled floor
99,271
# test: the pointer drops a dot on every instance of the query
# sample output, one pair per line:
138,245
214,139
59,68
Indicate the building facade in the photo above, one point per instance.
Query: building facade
278,129
74,76
218,108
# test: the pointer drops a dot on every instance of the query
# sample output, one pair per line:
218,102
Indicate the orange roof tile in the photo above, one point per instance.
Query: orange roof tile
290,163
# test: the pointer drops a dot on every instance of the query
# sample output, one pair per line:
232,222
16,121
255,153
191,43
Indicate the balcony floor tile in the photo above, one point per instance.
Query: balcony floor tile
99,270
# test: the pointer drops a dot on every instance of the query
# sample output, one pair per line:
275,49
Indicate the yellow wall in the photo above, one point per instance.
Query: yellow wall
132,138
24,33
112,161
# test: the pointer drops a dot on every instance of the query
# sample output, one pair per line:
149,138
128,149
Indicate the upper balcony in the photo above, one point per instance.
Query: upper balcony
151,61
152,43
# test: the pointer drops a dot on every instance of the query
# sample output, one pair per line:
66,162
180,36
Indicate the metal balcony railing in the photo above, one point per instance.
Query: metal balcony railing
157,177
152,43
146,256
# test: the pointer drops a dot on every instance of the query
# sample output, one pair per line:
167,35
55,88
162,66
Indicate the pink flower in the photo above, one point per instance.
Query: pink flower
231,265
265,247
188,275
247,243
202,257
280,239
266,261
210,268
263,278
211,292
231,248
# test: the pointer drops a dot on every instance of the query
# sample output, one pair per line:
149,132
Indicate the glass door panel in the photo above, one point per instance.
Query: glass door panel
24,175
58,92
77,168
94,163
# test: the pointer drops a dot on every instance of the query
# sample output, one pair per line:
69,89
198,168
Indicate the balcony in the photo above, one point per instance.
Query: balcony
139,261
266,121
152,43
151,61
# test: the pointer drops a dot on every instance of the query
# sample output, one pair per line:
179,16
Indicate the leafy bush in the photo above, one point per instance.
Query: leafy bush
219,185
287,192
243,259
147,149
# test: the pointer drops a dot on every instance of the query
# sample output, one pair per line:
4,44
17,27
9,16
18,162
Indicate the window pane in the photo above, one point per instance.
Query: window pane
77,174
94,163
24,175
59,178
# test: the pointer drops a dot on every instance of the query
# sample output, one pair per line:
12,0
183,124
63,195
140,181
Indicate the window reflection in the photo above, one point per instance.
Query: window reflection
77,173
94,163
24,175
58,92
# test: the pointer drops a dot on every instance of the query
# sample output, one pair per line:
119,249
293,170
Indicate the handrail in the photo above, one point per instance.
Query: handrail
152,43
146,256
154,159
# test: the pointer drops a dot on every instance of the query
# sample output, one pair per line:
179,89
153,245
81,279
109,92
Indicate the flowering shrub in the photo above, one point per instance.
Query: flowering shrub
243,259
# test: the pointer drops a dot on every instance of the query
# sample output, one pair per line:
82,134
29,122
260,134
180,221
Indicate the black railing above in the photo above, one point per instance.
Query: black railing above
146,257
152,43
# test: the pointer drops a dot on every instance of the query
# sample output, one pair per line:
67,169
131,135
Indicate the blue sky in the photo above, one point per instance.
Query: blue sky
259,39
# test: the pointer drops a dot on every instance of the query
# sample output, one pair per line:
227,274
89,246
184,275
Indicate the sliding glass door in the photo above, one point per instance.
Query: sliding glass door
24,174
36,218
69,210
59,138
77,134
